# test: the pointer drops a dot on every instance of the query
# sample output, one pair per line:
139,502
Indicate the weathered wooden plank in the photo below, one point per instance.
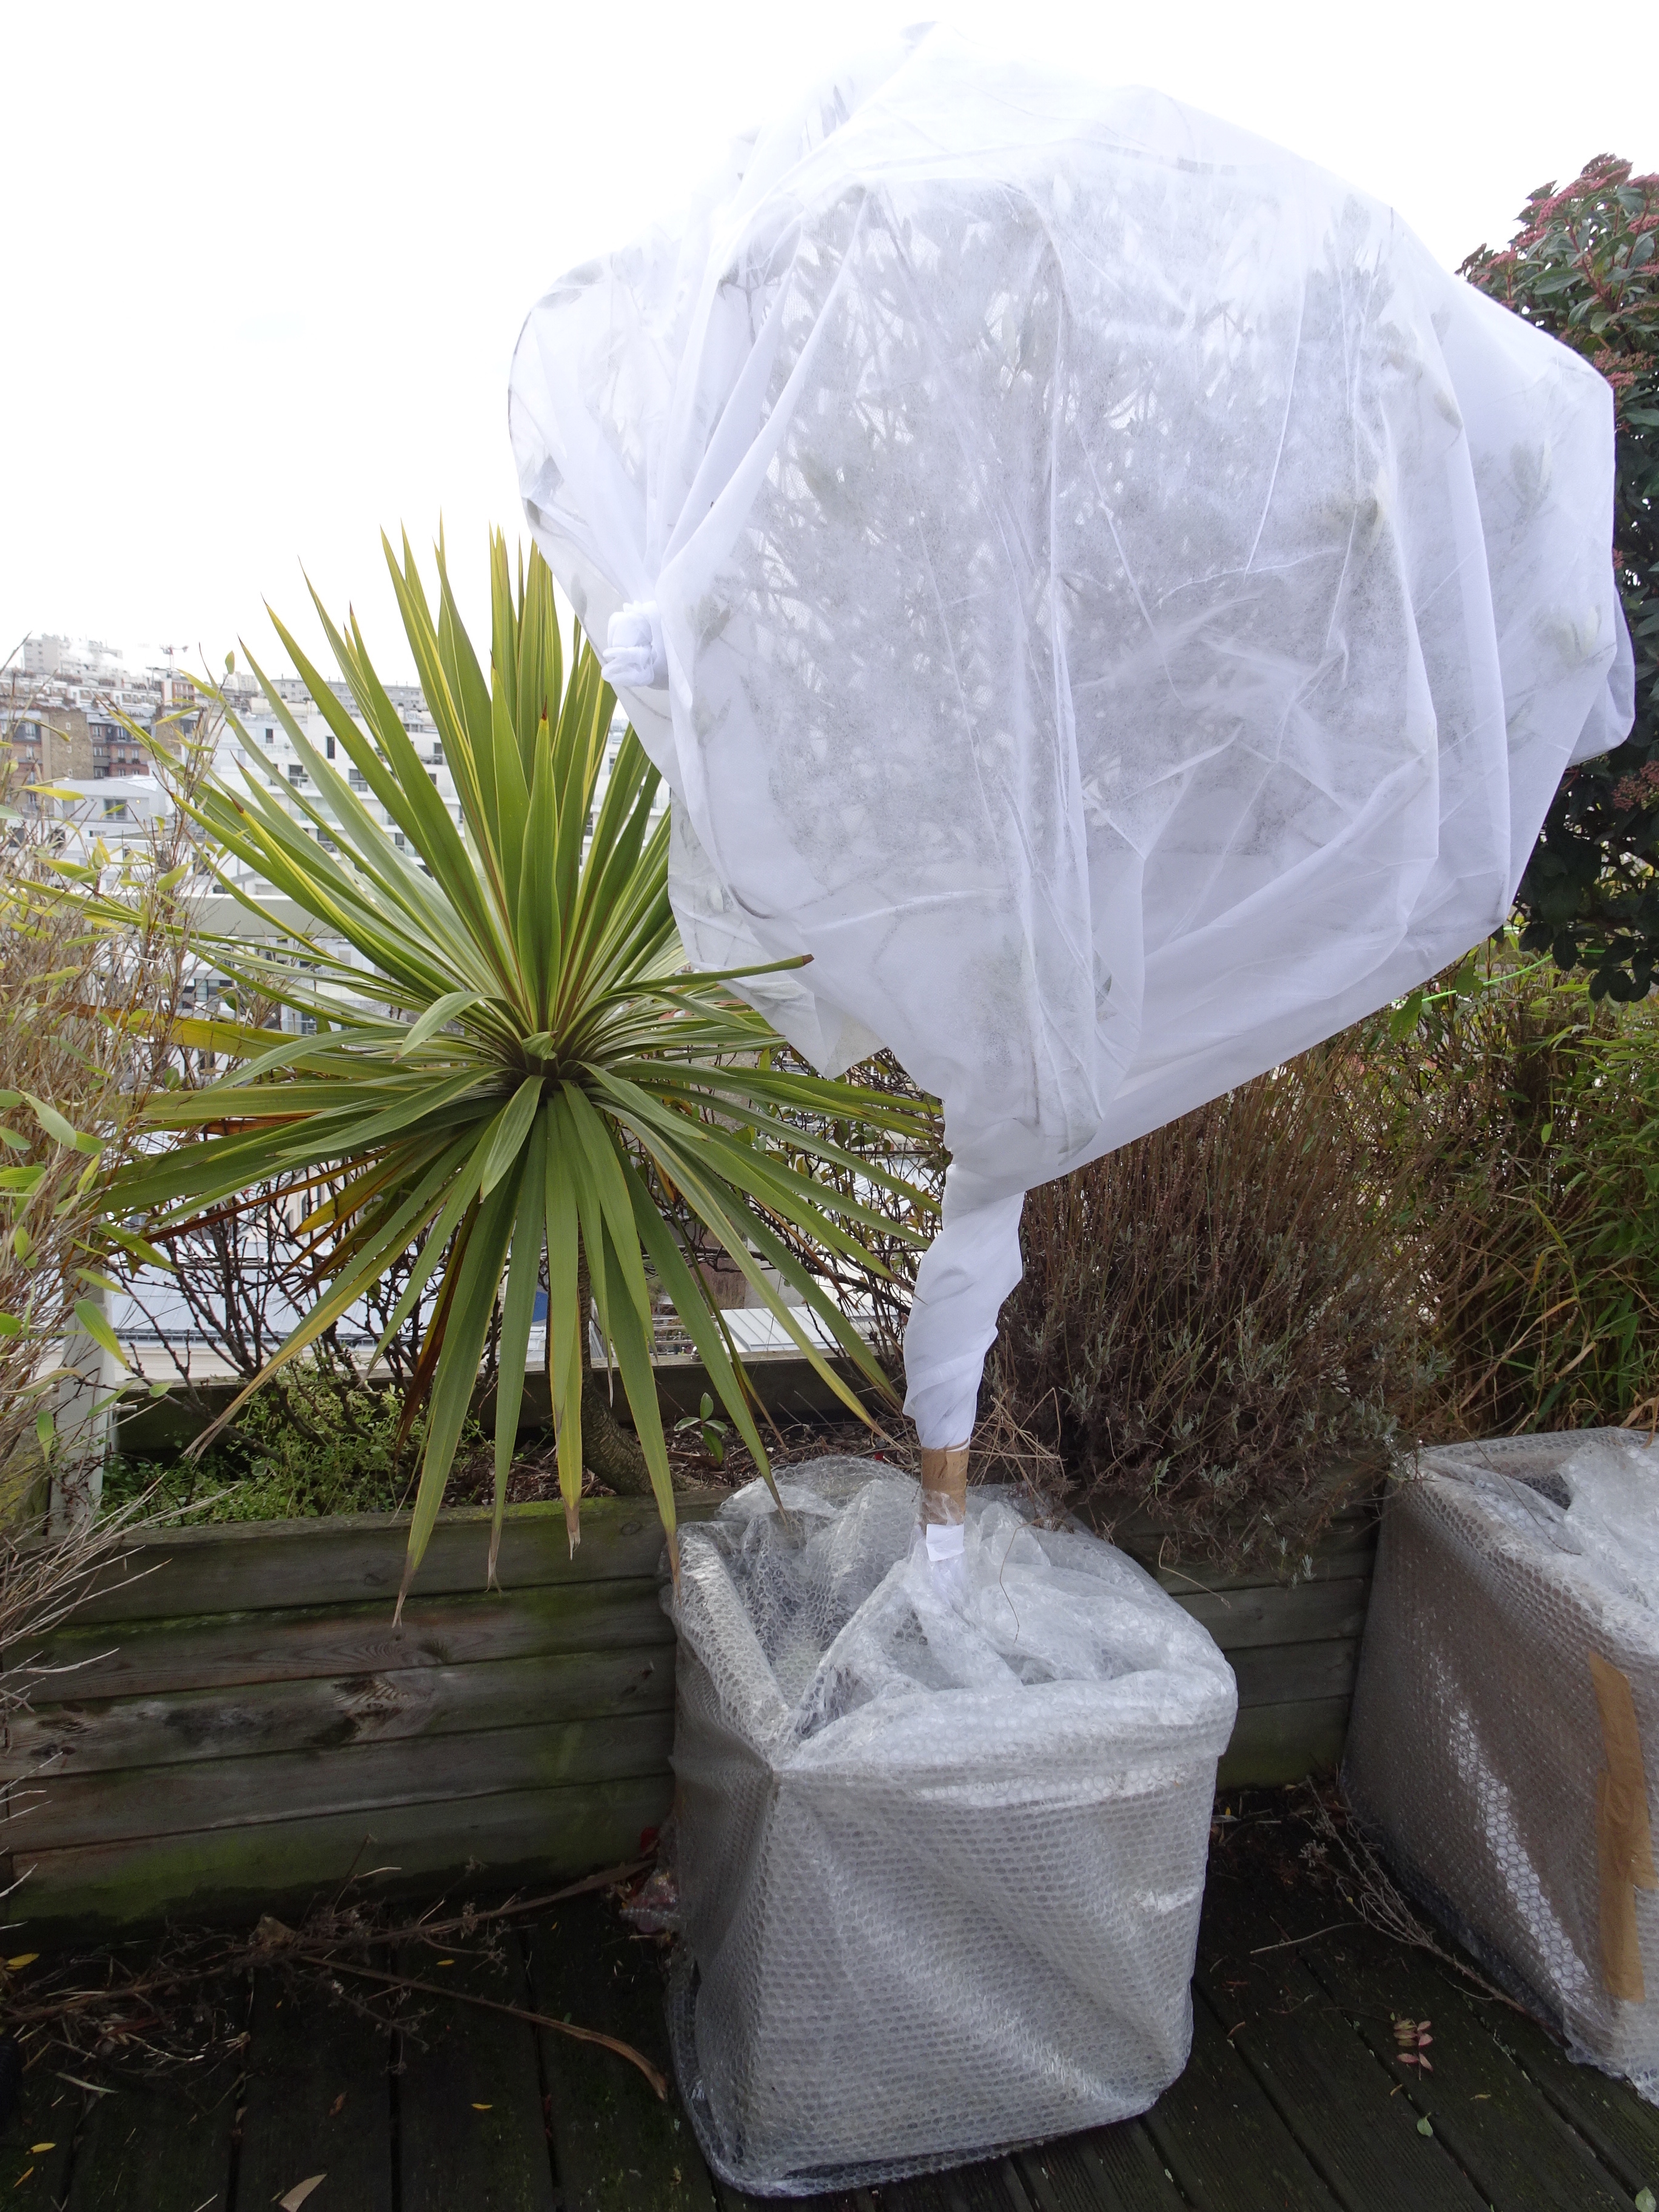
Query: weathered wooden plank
233,1874
1343,1552
249,1566
1520,2154
1223,2142
361,1779
1317,2075
151,1658
992,2185
155,1655
400,1705
842,2199
317,2099
37,2142
471,2129
617,2146
157,2147
1283,1743
1112,2170
1288,1674
1349,1535
1620,2128
1299,1612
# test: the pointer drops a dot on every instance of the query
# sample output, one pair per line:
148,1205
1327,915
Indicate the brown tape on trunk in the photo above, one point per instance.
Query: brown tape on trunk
1624,1835
945,1485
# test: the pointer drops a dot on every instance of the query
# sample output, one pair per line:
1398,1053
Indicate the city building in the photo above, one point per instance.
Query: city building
73,714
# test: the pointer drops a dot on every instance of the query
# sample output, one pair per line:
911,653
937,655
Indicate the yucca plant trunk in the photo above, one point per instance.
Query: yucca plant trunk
608,1449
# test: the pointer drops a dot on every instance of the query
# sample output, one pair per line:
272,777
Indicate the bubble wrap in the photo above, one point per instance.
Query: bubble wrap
1476,1750
941,1829
1098,587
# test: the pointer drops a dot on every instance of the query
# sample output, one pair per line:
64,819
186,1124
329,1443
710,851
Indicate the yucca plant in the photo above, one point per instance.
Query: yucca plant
511,1069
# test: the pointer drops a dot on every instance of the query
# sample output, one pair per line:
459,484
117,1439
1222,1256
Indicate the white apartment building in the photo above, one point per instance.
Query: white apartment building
80,690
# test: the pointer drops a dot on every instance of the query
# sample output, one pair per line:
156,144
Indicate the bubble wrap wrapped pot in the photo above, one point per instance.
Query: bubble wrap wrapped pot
1506,1720
942,1832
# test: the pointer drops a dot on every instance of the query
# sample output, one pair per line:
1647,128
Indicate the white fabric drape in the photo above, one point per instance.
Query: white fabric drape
1122,608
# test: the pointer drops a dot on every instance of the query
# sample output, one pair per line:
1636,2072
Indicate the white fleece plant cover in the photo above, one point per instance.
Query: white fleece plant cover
1101,590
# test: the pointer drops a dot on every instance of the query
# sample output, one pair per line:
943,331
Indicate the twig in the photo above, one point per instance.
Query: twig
1291,1941
1381,1905
513,2011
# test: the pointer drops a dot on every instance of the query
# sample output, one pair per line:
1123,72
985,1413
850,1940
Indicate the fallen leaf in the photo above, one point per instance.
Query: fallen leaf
23,1959
35,2149
22,2177
1424,2128
337,2106
297,2196
1644,2201
445,1962
483,2108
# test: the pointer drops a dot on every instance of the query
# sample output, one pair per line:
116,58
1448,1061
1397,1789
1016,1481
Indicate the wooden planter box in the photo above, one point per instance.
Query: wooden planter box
1294,1646
240,1727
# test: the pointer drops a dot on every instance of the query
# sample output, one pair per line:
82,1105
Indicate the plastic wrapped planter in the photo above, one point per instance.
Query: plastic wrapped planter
1507,1718
942,1832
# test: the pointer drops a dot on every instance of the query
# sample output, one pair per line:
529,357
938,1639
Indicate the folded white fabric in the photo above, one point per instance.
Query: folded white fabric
1124,610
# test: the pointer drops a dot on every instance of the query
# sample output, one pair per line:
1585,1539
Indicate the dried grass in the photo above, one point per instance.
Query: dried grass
1220,1324
1519,1121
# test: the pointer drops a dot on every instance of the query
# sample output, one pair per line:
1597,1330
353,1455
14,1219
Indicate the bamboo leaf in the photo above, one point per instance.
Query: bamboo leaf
91,1319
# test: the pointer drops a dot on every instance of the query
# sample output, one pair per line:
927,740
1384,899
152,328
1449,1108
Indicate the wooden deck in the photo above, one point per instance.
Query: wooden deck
1294,2098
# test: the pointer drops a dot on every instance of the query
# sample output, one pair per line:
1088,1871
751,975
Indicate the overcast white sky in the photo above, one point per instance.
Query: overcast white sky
264,265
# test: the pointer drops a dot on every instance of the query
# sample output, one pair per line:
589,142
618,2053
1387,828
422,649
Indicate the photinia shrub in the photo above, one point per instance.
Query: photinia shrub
1584,266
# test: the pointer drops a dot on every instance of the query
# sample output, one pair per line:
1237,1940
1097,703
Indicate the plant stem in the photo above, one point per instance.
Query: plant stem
608,1450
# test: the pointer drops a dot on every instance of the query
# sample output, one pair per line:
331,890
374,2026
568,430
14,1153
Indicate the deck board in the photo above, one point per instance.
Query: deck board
1622,2130
154,2147
1511,2142
1227,2148
1326,2085
36,2149
471,2125
1114,2170
616,2145
315,2100
1293,2101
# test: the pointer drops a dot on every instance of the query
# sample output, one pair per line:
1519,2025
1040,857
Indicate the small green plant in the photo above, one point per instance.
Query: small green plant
318,1442
711,1433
